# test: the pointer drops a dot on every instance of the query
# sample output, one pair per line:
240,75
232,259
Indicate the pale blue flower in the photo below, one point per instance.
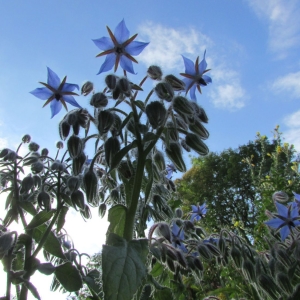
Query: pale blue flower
178,237
286,219
119,48
57,93
198,212
194,75
170,169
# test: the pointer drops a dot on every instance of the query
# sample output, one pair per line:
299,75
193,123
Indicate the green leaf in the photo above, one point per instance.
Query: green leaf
163,294
29,207
52,244
157,269
61,218
117,218
32,289
91,279
40,219
123,266
69,277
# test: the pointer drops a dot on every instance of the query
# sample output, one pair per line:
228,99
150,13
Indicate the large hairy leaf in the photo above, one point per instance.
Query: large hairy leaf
117,218
69,277
123,267
41,218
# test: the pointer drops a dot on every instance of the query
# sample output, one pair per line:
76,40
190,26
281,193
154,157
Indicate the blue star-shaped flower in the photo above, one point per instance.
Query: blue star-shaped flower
119,48
286,219
194,75
57,93
296,203
170,169
198,212
178,237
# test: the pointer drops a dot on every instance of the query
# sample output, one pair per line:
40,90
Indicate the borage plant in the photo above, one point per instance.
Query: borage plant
127,176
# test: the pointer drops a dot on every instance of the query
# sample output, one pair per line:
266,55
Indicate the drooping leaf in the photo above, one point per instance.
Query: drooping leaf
61,218
157,269
123,266
40,219
32,289
52,244
117,218
69,277
29,207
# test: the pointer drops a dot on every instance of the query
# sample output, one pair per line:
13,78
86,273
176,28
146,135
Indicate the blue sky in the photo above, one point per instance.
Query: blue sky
252,48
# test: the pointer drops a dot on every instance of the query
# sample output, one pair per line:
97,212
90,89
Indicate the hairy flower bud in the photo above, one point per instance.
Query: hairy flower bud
154,72
105,121
177,84
26,138
86,88
178,213
182,106
78,163
156,114
90,183
200,112
102,210
75,146
124,170
159,160
4,152
203,251
111,81
37,167
99,100
59,145
198,264
10,156
44,152
64,129
164,91
111,147
27,184
77,199
199,129
174,153
44,201
73,183
55,165
194,141
163,229
33,147
124,85
280,196
6,242
248,270
86,212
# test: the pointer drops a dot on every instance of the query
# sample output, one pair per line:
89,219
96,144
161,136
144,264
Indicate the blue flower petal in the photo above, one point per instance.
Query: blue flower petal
126,64
181,235
55,107
53,79
282,209
203,64
195,208
193,216
70,100
294,212
207,79
121,32
42,93
183,248
108,63
284,232
275,223
297,196
135,48
70,87
189,66
175,229
104,43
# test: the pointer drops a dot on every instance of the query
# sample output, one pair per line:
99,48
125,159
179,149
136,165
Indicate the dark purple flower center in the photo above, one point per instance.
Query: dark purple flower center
119,49
57,96
200,80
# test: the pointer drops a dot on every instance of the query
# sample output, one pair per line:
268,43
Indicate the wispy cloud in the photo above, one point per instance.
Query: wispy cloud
283,19
289,83
167,45
292,135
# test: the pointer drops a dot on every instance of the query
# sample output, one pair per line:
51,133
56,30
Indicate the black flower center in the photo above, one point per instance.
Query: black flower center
119,49
200,80
57,96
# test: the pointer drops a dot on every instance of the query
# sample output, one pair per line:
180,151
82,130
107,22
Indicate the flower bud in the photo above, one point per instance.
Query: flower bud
280,197
177,84
171,265
124,170
6,242
203,251
115,195
174,153
199,129
102,210
26,138
164,91
185,146
10,156
77,199
33,147
105,121
200,112
44,201
156,113
237,257
37,180
182,106
78,163
284,282
198,264
159,160
248,270
124,85
154,72
111,81
55,165
45,152
194,141
4,152
37,167
73,183
111,147
99,100
86,212
86,88
83,117
178,213
64,129
27,184
172,132
116,93
90,183
75,146
163,229
32,158
59,145
116,128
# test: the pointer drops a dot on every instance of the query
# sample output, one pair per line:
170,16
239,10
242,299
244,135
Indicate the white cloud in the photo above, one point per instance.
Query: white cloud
3,143
292,135
289,83
283,19
167,44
